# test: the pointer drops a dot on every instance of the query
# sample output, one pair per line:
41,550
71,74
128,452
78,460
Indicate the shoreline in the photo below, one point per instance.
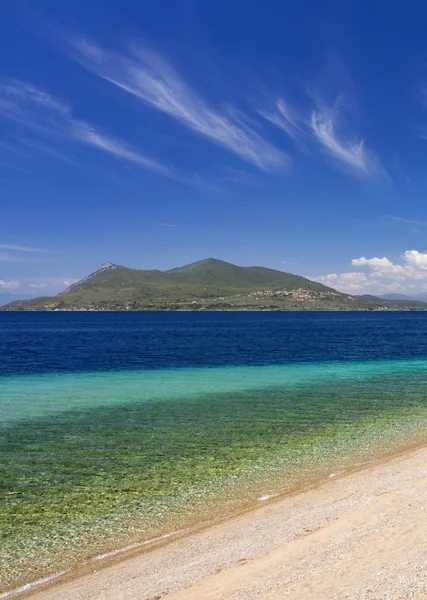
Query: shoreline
362,431
138,556
213,310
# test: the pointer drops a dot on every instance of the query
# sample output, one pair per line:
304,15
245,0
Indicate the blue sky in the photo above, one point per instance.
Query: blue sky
286,134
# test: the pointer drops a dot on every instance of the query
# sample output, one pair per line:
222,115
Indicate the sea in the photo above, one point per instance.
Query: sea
120,428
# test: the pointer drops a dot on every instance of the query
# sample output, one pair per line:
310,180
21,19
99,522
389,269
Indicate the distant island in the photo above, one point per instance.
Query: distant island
208,284
7,297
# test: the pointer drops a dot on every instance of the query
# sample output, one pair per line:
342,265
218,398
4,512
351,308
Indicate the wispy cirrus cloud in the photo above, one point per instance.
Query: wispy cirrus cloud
15,248
30,146
407,221
42,113
14,253
90,136
147,76
12,148
241,176
320,125
284,117
325,120
351,153
4,165
333,119
22,258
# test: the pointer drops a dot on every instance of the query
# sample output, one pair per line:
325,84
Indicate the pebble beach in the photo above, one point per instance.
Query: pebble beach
360,535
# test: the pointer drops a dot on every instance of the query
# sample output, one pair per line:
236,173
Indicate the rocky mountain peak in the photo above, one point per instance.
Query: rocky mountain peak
106,267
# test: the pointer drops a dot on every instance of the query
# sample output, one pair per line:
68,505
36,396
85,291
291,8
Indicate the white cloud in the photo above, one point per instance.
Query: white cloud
41,112
90,136
351,282
150,78
407,221
416,259
4,165
382,267
12,258
15,91
8,284
414,266
320,124
358,283
382,275
284,117
52,285
31,145
20,248
351,153
34,108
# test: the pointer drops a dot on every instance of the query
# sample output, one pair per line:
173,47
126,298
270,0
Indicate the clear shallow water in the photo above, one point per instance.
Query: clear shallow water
118,427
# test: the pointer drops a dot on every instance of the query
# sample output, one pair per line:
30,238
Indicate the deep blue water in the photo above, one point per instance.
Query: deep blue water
88,341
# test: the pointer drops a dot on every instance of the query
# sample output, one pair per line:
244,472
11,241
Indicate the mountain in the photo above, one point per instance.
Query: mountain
206,284
6,297
420,297
380,303
192,286
202,278
395,297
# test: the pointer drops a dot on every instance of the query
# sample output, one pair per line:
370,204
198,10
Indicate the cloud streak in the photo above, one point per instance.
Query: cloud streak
4,165
284,117
352,154
407,221
21,258
147,76
20,248
40,112
319,125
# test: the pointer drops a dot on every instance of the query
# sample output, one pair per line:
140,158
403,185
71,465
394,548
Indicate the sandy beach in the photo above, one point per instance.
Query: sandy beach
359,535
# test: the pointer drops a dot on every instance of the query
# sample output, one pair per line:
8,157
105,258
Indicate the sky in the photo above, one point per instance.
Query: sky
291,135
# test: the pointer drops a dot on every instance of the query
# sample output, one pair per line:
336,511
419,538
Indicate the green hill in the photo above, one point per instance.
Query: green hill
220,275
206,284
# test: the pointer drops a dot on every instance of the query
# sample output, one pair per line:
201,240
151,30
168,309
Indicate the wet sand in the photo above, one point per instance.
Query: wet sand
361,535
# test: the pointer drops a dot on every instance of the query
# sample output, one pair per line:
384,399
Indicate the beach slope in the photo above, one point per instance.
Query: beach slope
359,535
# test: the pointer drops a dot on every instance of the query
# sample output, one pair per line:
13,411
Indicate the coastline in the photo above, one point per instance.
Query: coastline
314,441
380,499
121,478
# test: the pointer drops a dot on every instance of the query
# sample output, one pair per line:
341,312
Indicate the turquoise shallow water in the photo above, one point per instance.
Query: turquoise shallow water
93,460
41,395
